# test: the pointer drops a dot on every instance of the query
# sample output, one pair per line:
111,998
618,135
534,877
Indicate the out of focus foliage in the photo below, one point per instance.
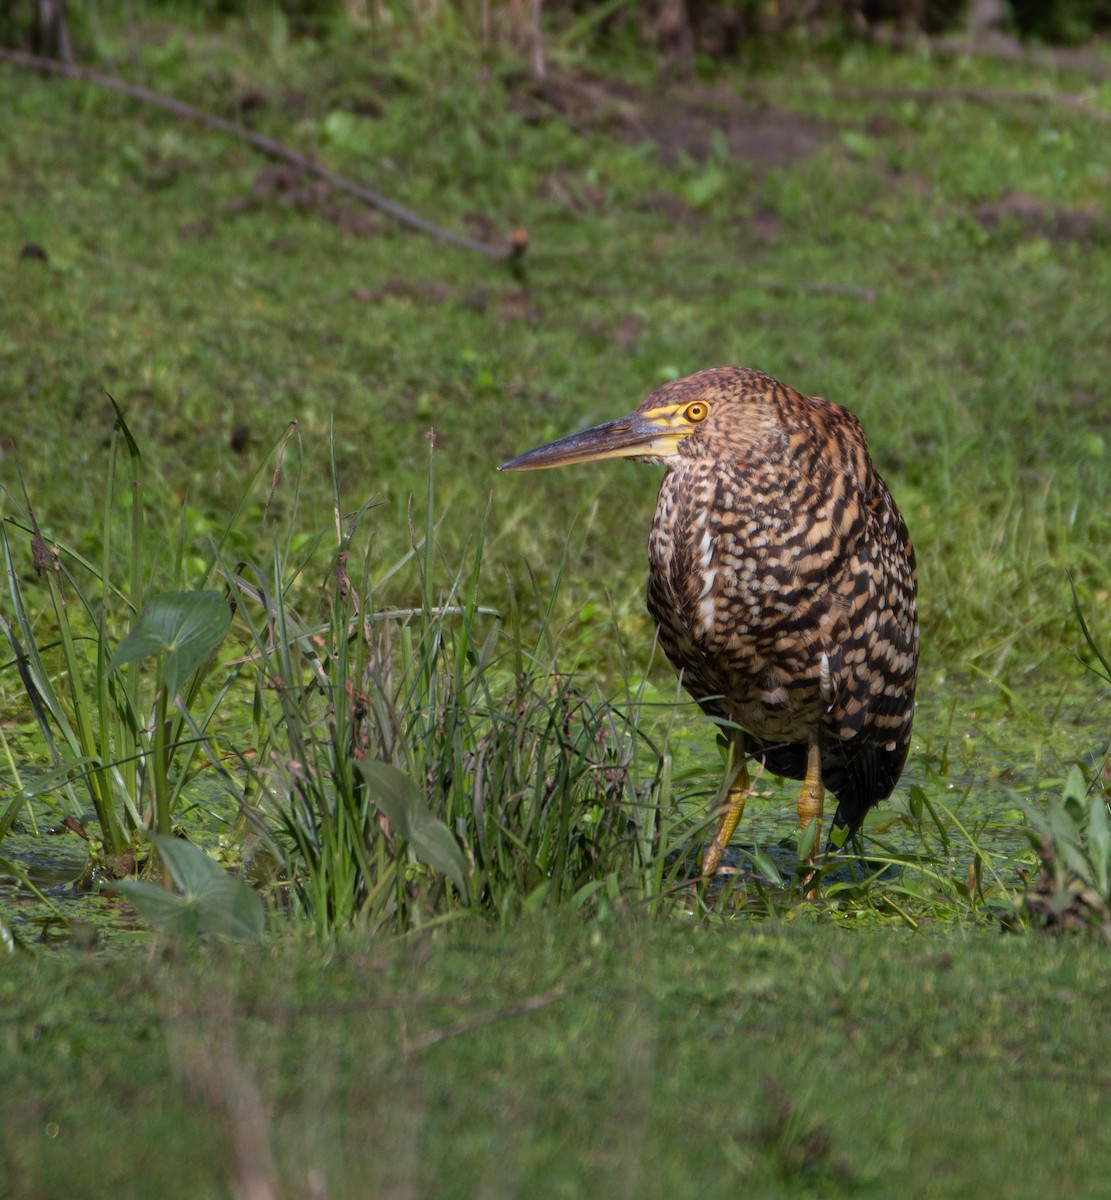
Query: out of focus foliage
718,28
1061,20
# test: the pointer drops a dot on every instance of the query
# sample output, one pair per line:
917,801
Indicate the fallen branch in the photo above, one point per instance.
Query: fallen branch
270,147
529,1004
971,95
1001,47
713,287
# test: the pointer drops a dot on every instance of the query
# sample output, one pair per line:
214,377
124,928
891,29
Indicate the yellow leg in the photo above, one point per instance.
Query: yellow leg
734,808
811,801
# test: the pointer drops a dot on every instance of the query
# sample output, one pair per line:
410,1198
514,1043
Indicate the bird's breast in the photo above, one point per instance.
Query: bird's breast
736,605
736,565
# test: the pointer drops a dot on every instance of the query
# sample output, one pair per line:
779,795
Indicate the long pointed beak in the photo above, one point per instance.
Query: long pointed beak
652,434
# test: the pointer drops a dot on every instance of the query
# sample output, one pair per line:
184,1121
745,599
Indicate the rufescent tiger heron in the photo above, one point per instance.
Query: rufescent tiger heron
782,579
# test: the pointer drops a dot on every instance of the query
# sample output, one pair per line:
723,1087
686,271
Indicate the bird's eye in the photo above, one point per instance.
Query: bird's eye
698,411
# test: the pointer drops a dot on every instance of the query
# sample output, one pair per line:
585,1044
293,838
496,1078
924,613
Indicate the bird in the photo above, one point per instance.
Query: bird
783,584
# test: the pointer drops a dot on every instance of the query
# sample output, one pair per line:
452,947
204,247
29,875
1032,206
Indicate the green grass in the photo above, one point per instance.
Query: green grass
366,764
626,1059
977,368
887,1040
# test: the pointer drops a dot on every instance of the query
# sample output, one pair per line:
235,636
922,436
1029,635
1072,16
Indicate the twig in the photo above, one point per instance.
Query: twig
935,95
182,1011
716,287
529,1004
820,289
1062,1075
271,147
1003,48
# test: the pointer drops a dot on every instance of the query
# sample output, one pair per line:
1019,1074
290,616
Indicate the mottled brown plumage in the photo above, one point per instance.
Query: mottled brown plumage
782,580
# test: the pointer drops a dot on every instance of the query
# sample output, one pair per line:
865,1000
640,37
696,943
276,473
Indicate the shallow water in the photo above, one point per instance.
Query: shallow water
53,861
979,754
53,864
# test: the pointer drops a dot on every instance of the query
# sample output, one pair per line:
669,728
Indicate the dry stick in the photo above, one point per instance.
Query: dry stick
714,288
269,146
934,95
1007,51
329,1010
528,1005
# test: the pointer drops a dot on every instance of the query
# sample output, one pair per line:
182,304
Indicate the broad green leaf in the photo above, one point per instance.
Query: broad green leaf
1067,839
1099,840
585,892
230,908
807,838
917,802
1075,787
538,897
431,840
227,908
765,866
169,912
209,900
190,868
838,836
184,626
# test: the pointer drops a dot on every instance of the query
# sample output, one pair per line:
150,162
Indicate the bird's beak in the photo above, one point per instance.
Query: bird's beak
651,434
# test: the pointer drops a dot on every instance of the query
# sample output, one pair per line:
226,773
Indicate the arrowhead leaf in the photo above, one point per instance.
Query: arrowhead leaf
190,868
209,900
184,626
765,866
168,912
430,839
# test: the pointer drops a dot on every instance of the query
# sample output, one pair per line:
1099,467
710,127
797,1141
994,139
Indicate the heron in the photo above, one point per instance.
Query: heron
782,581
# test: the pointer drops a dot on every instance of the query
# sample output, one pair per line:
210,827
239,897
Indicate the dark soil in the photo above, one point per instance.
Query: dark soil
679,119
1035,217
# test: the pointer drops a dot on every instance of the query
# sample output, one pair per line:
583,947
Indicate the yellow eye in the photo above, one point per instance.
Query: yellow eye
698,411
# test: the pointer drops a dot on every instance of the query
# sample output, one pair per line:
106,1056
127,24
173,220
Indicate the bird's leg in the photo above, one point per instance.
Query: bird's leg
734,807
811,800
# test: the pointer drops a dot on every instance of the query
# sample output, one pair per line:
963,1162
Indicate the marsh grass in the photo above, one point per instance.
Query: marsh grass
1071,834
115,737
977,366
924,866
434,760
399,765
555,1056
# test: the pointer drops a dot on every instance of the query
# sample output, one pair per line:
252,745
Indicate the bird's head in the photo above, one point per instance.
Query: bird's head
688,418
